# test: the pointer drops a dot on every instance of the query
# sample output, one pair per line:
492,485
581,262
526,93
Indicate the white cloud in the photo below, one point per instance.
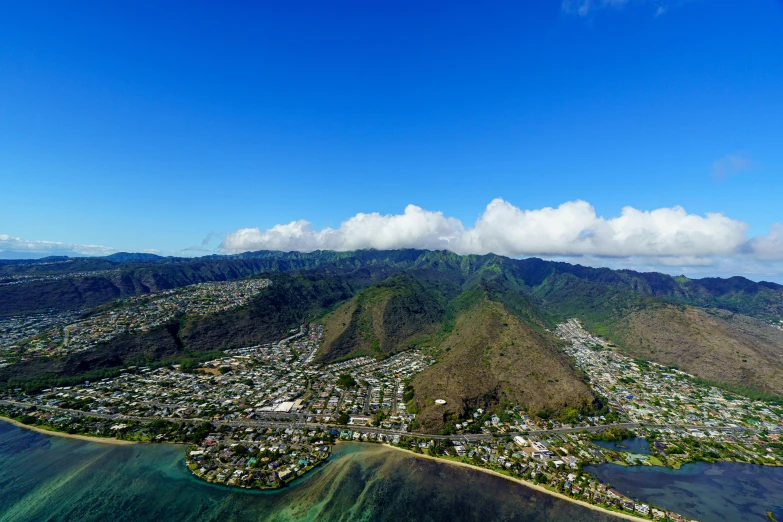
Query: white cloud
415,226
207,239
768,247
583,7
572,229
715,266
18,244
731,164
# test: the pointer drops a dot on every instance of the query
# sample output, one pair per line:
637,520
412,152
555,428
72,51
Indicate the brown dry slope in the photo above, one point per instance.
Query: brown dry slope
492,355
337,323
719,346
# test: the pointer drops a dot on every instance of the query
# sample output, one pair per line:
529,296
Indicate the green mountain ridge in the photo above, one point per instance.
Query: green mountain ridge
763,300
386,318
380,302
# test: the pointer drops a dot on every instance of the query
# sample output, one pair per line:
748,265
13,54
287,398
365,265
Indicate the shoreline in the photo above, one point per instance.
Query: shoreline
542,489
100,440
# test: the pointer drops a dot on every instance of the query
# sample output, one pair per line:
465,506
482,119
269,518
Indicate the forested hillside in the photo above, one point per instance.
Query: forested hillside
380,302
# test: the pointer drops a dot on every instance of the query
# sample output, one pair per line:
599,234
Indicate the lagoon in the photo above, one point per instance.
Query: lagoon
637,445
724,491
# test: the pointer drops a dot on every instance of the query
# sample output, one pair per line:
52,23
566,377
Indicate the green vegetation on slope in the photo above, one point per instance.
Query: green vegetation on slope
418,297
388,317
292,299
136,275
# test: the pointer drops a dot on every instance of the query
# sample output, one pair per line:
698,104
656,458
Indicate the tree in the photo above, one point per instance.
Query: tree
188,366
346,381
449,429
379,418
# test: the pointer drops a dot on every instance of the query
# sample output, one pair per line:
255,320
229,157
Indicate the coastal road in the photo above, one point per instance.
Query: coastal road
473,437
247,423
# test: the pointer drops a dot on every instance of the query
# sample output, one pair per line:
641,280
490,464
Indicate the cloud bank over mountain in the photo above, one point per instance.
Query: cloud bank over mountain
572,228
665,238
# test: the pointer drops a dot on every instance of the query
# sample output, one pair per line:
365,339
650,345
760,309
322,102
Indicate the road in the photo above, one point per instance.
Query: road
67,333
396,398
367,399
296,422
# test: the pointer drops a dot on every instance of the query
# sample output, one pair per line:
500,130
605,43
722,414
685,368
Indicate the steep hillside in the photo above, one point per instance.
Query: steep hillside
105,360
655,316
384,319
598,305
291,300
288,302
132,274
718,346
763,300
491,355
711,343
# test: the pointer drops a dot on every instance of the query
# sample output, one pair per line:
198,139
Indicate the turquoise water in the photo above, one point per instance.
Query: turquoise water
724,491
636,445
48,478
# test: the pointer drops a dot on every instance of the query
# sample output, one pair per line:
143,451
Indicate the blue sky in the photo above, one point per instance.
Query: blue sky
156,125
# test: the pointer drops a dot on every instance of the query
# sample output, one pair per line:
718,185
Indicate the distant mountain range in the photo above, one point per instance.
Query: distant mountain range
486,317
27,256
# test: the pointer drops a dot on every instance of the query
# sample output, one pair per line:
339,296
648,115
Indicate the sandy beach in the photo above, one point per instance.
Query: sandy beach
106,440
102,440
542,489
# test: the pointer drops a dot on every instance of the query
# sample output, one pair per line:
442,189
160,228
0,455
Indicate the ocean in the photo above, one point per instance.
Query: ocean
49,478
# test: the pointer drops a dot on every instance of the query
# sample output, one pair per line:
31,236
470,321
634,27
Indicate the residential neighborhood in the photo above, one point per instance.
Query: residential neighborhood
647,392
64,333
9,279
260,416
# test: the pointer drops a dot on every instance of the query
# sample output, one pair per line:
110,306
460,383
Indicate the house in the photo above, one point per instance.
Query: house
538,446
543,455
